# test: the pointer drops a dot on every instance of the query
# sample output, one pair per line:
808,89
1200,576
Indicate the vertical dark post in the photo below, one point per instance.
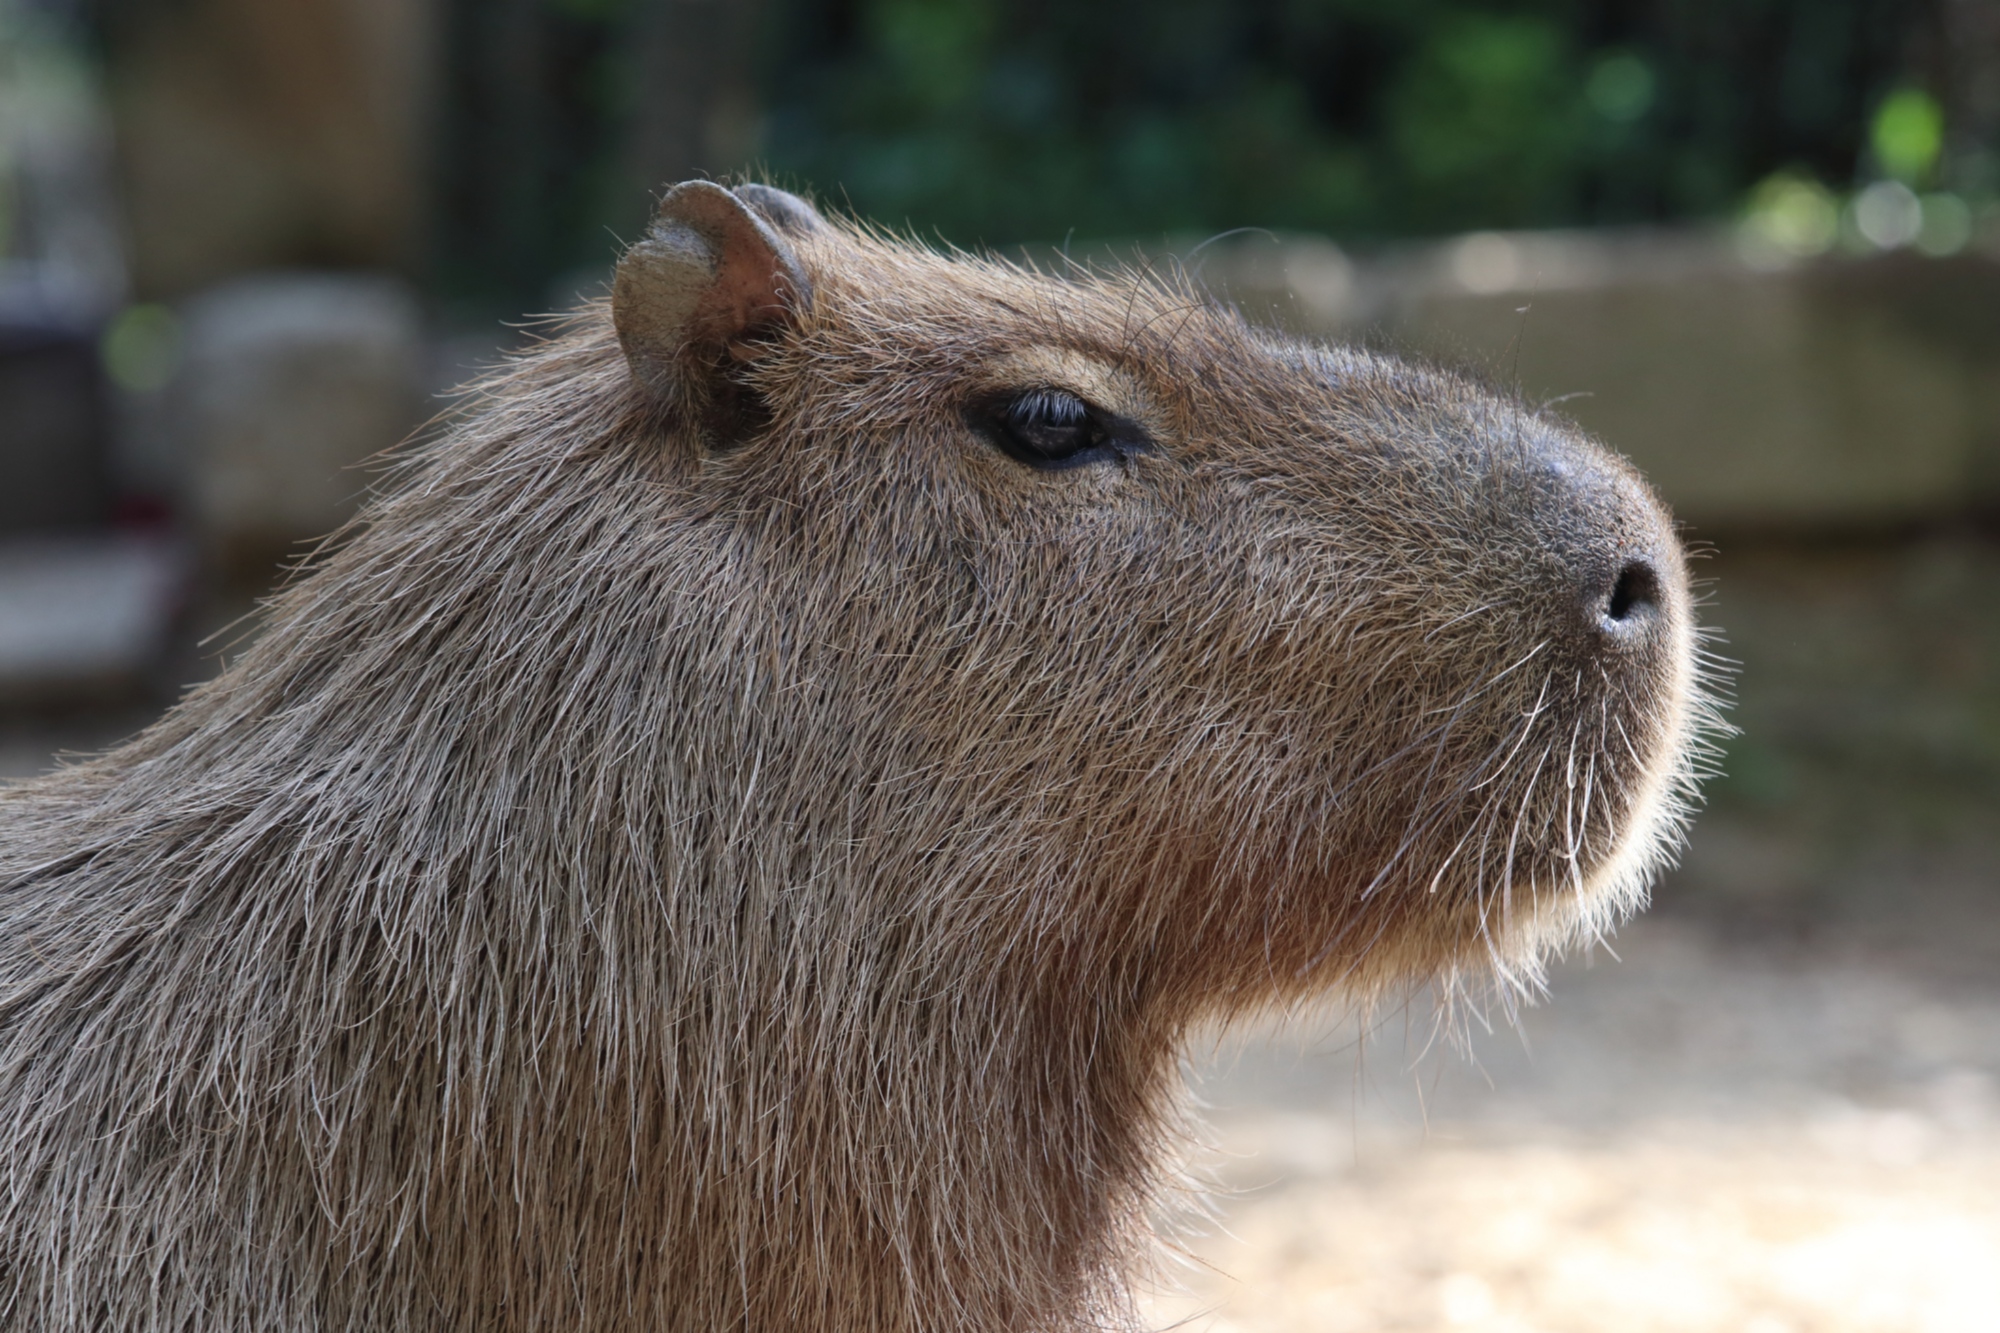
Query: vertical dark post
1970,55
696,104
498,173
559,120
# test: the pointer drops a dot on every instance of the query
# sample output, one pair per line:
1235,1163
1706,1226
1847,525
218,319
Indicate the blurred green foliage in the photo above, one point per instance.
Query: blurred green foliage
996,123
1908,134
533,105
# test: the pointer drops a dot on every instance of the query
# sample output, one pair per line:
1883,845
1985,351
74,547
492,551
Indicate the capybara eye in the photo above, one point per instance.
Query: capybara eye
1050,428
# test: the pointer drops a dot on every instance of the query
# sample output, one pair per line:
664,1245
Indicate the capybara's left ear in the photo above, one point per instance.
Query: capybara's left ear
711,278
782,209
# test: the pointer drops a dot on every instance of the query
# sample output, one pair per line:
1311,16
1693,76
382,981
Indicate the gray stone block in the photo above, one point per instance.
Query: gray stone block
1841,393
84,615
292,382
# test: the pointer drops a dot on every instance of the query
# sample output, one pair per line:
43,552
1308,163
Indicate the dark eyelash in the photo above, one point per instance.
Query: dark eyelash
1047,407
1053,429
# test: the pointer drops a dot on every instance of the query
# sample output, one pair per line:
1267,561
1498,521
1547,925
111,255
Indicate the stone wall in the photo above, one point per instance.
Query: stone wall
1844,393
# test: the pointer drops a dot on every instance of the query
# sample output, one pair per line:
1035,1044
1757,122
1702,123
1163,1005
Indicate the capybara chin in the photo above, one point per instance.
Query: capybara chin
734,835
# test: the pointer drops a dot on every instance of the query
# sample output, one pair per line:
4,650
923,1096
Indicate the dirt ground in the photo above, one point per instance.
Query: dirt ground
1777,1110
1697,1136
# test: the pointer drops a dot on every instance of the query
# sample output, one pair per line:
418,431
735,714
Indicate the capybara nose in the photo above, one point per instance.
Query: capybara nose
1632,581
1614,557
1630,606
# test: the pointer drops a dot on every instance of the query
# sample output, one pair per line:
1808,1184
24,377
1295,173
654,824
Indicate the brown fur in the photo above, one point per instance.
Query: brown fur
727,847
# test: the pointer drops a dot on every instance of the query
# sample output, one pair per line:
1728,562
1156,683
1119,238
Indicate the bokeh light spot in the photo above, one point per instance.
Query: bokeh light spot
1620,88
1908,134
142,348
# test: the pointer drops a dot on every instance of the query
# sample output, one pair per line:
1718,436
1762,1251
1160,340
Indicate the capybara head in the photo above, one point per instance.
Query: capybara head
1166,642
735,834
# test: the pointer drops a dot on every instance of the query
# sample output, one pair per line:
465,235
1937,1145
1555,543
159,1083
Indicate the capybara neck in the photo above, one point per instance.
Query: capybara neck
734,835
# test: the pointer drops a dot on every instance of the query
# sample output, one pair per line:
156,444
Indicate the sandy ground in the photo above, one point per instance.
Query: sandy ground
1697,1137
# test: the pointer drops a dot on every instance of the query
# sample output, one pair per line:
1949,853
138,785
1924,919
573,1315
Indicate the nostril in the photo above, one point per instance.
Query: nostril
1635,592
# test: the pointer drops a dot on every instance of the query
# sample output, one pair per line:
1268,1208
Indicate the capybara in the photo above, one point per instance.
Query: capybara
735,833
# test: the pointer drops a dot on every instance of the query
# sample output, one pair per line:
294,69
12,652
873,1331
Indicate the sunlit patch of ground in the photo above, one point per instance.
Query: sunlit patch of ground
1697,1139
1693,1230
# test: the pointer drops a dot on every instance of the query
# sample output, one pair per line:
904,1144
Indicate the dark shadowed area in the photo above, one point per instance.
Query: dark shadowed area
245,247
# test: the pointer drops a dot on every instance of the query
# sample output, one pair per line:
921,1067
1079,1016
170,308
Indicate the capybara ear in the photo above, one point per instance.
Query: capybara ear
710,277
782,209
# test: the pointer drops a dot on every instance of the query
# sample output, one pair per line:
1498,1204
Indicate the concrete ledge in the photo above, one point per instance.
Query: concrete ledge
84,616
1838,393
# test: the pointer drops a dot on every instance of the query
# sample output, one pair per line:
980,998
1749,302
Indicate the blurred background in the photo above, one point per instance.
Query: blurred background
1753,244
